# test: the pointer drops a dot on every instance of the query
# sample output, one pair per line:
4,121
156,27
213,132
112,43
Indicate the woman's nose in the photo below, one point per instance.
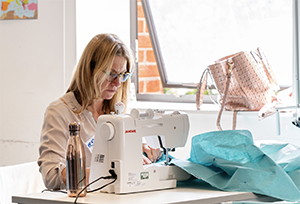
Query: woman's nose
117,82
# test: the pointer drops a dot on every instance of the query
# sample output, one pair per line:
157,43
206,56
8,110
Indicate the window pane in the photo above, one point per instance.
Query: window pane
192,34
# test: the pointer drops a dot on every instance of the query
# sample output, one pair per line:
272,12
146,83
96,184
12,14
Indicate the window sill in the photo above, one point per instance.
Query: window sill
144,105
191,108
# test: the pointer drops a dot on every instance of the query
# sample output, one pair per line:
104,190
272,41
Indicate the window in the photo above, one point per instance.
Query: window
188,35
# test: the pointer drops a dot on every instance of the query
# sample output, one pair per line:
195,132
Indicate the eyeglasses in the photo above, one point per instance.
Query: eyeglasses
113,76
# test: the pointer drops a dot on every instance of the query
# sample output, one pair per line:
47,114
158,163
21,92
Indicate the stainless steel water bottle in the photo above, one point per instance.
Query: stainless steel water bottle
75,162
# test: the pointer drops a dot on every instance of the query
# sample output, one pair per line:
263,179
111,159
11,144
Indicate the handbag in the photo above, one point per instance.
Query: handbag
245,82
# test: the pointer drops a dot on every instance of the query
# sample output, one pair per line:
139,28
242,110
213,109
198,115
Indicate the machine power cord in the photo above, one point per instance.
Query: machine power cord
113,175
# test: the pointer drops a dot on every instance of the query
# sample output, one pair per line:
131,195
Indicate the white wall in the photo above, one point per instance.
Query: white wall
37,59
101,16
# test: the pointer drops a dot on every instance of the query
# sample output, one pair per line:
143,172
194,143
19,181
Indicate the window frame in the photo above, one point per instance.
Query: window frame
157,51
162,71
296,53
134,78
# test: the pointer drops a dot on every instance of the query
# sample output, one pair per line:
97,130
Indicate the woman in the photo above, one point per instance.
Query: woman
100,80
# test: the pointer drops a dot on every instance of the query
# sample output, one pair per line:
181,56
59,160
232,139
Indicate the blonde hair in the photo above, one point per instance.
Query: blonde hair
98,56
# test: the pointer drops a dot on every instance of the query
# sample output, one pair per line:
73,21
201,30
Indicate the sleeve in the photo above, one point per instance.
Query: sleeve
144,141
52,150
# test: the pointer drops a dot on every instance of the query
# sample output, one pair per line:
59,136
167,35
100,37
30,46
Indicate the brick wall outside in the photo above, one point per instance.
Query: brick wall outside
149,80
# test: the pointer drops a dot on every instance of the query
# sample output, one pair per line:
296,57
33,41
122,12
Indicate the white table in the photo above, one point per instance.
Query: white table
194,192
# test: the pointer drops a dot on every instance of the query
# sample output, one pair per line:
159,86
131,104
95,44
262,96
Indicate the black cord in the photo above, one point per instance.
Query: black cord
102,186
113,176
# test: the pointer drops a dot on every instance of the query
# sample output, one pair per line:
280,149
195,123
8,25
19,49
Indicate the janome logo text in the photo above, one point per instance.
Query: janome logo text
130,131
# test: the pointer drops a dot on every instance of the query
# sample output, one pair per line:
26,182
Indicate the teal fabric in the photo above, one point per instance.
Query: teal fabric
229,161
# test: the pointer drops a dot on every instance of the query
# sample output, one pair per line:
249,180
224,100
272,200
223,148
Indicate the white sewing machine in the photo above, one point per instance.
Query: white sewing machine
118,146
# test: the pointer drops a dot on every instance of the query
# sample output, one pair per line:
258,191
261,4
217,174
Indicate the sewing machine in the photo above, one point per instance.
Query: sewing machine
118,146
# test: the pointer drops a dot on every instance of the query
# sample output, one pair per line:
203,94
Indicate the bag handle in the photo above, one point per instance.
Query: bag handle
230,64
260,57
201,88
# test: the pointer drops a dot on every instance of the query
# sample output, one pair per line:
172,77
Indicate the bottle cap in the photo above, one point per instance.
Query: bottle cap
74,126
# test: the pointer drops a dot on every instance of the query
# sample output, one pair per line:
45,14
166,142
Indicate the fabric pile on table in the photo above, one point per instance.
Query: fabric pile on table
230,161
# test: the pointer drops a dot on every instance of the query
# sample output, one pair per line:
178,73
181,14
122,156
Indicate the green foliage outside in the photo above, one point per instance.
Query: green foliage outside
172,91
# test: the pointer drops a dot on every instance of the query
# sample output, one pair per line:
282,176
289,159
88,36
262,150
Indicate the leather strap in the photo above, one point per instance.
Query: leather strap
200,92
230,64
201,88
234,119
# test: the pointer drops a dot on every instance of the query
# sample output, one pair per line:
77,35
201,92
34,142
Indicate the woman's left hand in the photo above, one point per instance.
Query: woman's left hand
153,154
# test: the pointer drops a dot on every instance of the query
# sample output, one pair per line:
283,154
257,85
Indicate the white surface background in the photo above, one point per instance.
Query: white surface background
37,59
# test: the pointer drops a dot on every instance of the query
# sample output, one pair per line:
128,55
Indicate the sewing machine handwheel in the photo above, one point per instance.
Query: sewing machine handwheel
107,131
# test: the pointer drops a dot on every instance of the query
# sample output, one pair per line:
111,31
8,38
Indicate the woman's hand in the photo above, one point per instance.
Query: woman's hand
153,154
146,160
64,175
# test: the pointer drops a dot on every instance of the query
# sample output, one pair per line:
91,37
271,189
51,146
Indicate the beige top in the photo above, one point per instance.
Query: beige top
55,136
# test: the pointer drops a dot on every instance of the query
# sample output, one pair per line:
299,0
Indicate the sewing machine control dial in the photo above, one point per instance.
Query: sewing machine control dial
107,131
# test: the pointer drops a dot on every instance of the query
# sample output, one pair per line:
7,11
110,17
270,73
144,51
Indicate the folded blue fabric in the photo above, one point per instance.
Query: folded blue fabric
229,160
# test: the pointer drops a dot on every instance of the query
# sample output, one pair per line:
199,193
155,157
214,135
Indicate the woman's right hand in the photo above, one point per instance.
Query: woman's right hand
153,154
64,175
146,160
